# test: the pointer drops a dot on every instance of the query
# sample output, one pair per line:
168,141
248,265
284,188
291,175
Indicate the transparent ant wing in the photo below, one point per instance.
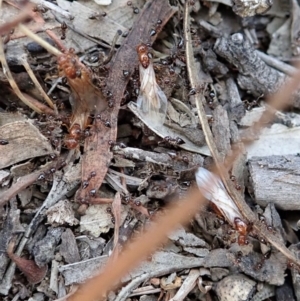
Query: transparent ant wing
151,101
213,189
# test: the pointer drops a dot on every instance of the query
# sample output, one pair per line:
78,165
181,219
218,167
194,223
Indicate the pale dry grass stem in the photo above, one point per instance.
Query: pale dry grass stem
39,40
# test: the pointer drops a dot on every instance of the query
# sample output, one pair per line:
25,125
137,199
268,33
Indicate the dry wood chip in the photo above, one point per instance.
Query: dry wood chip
24,142
271,175
183,238
271,271
220,130
44,249
97,220
102,28
61,213
68,248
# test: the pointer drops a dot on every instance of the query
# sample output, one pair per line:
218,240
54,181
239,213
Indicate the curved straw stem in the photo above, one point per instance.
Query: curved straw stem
39,40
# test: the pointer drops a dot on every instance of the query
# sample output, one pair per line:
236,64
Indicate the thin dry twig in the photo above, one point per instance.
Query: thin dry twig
194,81
116,209
22,183
54,37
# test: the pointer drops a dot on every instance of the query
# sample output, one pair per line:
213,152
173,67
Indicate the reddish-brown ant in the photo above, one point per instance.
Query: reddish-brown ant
242,228
63,30
86,97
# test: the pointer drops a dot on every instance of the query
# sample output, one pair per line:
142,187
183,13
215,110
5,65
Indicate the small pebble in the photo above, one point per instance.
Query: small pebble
235,288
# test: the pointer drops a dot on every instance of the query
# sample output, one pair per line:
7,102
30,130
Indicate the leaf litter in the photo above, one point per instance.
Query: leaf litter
123,144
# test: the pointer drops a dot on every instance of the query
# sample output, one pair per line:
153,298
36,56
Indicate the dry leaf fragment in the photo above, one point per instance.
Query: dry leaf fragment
33,273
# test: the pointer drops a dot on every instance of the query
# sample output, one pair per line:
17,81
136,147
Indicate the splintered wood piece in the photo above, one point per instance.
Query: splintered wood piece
97,147
19,147
269,175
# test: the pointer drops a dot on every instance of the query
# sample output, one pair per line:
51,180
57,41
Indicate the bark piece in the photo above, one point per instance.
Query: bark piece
254,74
221,132
68,248
185,239
237,108
9,227
30,144
43,250
272,270
274,180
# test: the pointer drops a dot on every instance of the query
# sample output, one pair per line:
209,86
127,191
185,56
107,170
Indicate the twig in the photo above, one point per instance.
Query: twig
112,49
188,284
58,42
276,63
116,209
21,184
35,81
199,96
